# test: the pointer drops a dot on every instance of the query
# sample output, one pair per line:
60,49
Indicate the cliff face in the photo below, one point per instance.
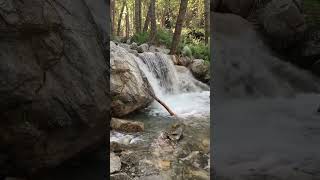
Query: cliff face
54,81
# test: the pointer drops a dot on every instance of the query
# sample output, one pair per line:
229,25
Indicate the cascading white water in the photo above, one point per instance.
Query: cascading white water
174,85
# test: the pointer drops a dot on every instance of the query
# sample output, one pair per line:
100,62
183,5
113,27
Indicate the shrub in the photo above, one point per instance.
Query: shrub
200,51
140,38
164,37
186,51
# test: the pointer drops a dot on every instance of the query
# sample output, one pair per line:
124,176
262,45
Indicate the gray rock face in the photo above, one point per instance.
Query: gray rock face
247,67
129,88
53,94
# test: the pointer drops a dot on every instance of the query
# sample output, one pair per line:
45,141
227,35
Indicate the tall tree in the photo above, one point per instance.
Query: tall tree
112,15
146,23
127,23
207,20
120,17
137,7
179,24
153,22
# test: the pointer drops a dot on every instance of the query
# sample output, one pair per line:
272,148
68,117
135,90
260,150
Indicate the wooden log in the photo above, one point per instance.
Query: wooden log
164,105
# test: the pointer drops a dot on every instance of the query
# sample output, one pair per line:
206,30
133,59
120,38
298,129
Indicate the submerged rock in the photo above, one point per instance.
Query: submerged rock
126,126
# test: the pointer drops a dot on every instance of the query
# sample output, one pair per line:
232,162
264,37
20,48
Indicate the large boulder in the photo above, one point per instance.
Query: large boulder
246,67
54,101
283,22
200,70
129,87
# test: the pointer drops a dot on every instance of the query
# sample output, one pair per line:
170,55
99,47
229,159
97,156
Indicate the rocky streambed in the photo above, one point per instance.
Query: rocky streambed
147,143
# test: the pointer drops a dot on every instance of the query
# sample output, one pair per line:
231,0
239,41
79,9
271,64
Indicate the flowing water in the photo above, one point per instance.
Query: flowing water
189,99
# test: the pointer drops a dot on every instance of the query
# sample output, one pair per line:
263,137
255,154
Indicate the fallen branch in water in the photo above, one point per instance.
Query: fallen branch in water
151,93
163,104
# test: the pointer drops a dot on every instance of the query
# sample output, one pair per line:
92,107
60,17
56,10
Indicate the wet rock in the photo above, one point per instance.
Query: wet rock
143,48
126,126
164,165
174,59
200,70
205,145
115,147
199,174
134,46
120,176
115,163
128,87
184,61
175,133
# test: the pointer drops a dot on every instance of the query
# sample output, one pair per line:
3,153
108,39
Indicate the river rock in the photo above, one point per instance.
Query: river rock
200,70
126,126
174,59
184,61
134,46
143,48
120,176
129,89
54,80
115,163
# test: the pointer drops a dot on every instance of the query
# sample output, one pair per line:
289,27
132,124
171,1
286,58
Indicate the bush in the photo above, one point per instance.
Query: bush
140,38
164,37
186,51
200,51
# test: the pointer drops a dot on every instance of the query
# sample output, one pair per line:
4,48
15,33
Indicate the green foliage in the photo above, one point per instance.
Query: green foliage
186,51
140,38
164,37
200,51
312,12
198,48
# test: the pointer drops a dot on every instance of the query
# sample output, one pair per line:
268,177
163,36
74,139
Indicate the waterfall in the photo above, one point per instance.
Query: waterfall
162,71
175,85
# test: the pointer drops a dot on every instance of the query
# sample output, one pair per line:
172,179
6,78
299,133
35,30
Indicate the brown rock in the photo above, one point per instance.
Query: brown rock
126,126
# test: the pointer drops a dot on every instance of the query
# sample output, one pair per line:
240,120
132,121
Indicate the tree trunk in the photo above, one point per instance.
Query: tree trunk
127,24
153,22
146,23
112,16
207,20
137,7
179,24
120,18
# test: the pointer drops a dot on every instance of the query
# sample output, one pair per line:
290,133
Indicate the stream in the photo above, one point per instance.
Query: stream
189,99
